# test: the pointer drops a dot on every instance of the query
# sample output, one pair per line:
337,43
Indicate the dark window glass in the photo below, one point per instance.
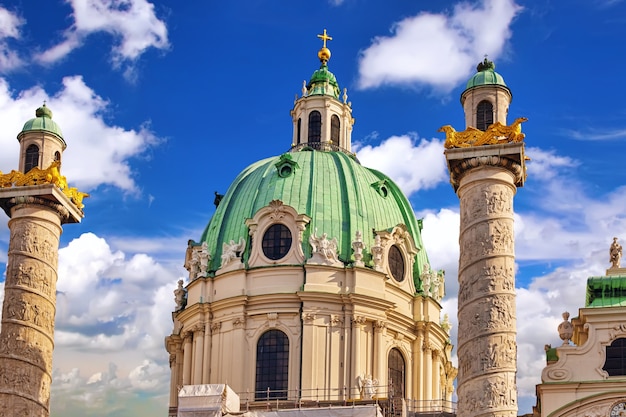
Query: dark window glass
396,263
615,363
396,373
299,130
334,130
484,115
57,156
272,365
31,159
315,127
276,241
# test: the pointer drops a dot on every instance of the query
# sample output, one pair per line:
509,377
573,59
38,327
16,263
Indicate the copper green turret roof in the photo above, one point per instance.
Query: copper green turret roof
42,122
485,76
335,191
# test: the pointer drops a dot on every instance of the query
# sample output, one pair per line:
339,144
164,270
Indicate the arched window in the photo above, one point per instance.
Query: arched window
57,156
396,372
335,124
276,241
272,365
315,127
484,115
31,159
299,130
615,363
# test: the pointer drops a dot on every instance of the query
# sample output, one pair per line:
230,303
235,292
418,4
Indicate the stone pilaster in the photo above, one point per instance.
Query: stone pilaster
27,337
486,179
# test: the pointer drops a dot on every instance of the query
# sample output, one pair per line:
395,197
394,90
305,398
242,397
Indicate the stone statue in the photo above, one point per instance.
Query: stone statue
566,330
205,257
232,250
367,387
180,296
425,277
325,247
615,254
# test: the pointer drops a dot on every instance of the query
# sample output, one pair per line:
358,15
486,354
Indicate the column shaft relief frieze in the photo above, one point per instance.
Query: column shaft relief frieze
27,337
487,348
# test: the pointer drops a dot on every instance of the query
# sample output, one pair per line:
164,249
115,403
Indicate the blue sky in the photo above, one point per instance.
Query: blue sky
163,103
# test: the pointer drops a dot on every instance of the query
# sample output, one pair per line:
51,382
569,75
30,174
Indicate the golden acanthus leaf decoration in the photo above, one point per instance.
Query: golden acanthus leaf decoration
37,176
496,133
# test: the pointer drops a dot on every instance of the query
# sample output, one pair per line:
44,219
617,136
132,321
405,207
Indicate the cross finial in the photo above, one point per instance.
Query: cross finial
324,37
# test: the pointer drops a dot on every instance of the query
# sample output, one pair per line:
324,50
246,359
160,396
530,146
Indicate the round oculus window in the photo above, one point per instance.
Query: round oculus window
396,263
276,241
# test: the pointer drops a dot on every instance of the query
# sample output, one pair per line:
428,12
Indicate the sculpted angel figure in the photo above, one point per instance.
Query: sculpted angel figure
325,247
232,250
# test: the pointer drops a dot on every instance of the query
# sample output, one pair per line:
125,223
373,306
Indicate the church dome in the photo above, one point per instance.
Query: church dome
43,122
485,75
339,195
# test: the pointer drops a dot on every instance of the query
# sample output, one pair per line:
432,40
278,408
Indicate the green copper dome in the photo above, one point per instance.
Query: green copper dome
339,195
485,75
323,82
43,122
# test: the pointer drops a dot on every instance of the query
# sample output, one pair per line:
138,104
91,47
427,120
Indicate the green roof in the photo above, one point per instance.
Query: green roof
606,291
43,122
332,188
323,82
485,75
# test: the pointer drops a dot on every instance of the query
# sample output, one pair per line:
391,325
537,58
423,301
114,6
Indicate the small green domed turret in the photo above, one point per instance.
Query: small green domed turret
485,75
43,122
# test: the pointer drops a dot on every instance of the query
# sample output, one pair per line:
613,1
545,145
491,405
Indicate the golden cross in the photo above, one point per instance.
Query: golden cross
325,38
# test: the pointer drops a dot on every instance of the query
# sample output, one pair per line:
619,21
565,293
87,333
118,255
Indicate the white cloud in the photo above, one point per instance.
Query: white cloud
97,153
438,49
9,29
133,24
413,166
110,302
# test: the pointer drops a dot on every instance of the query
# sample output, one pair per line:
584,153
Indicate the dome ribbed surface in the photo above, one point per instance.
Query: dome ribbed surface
43,122
336,192
485,75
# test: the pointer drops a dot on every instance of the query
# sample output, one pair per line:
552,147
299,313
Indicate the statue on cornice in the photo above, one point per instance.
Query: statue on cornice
615,254
232,250
325,247
180,296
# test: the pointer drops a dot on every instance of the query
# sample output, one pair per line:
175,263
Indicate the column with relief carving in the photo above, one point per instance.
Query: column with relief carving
485,179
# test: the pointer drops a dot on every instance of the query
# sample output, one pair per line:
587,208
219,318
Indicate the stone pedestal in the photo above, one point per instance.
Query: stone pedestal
486,178
27,337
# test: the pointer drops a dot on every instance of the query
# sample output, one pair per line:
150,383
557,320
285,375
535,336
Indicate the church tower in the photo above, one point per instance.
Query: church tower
486,164
38,201
486,97
320,120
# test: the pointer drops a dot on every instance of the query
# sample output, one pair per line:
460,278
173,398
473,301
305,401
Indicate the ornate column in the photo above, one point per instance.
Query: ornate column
436,392
187,352
379,353
428,370
27,337
207,353
418,377
485,179
198,353
357,326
